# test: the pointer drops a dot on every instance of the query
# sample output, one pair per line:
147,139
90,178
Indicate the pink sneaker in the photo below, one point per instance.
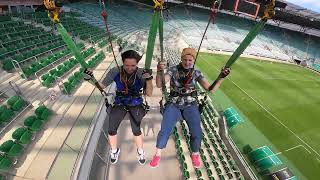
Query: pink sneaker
196,160
155,161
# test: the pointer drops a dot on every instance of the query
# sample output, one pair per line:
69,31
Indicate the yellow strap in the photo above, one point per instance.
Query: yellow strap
53,10
49,4
269,12
158,4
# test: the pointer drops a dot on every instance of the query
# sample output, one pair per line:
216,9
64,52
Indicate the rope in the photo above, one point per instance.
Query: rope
123,76
214,11
104,15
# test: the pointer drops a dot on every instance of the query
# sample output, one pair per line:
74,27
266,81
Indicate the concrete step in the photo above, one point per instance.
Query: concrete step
4,82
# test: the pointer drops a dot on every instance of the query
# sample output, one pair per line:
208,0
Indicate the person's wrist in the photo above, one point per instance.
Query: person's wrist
149,78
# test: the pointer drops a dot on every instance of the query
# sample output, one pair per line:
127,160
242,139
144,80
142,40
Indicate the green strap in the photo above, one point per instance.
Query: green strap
152,38
164,89
245,43
157,22
71,45
161,35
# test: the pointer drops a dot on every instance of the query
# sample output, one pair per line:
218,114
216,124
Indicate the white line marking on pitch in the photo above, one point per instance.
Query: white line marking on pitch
293,147
288,79
278,153
286,127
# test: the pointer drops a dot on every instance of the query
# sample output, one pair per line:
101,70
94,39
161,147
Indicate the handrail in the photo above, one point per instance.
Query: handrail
97,114
64,141
86,140
78,165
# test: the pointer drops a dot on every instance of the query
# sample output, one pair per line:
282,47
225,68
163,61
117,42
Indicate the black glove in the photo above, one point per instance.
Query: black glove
224,72
147,74
88,75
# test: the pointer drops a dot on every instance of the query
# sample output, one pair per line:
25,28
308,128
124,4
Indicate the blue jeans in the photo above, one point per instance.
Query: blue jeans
172,114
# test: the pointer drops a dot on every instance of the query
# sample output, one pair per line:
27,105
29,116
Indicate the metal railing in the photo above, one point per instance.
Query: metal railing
78,163
93,102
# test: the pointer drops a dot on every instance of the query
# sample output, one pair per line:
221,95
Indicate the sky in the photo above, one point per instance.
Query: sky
309,4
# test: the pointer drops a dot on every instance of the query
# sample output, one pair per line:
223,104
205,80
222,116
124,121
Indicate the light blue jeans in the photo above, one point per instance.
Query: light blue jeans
171,115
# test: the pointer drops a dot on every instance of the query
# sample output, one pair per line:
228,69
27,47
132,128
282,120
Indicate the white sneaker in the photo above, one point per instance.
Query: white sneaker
141,157
114,156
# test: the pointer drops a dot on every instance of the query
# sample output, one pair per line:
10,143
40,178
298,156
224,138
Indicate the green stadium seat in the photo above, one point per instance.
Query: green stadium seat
221,177
215,164
18,58
18,105
212,157
198,172
71,78
5,163
6,115
219,171
3,50
67,87
203,157
186,173
22,135
75,83
43,60
91,64
36,67
13,100
53,72
3,108
33,123
78,75
46,62
40,110
45,76
238,175
7,65
45,115
11,148
59,73
60,66
206,165
48,82
65,69
209,172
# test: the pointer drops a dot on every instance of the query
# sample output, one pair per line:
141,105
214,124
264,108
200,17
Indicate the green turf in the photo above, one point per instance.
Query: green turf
281,106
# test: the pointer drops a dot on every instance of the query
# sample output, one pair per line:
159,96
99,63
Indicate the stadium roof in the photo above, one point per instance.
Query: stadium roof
20,2
298,15
286,12
301,10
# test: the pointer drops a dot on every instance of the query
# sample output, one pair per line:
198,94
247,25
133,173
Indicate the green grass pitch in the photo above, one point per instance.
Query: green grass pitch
281,107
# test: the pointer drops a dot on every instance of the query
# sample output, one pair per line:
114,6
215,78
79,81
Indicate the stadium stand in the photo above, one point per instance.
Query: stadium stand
53,115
